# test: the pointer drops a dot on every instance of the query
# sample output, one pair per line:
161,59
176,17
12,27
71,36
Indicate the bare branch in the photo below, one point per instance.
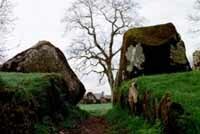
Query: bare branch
99,23
116,52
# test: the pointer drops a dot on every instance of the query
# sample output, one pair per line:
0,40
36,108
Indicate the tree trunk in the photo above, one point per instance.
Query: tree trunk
110,77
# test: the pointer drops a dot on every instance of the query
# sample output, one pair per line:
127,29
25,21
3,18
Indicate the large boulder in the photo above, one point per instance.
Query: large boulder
196,60
46,58
152,50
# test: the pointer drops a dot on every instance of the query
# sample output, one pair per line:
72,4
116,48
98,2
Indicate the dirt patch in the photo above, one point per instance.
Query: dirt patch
93,125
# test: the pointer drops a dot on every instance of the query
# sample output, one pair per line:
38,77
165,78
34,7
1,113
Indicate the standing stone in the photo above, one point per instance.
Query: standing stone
152,50
196,60
46,58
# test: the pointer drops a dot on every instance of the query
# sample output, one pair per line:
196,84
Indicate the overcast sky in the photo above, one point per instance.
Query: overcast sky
40,20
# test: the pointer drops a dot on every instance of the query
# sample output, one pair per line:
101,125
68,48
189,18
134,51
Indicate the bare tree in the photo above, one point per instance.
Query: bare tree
99,25
5,20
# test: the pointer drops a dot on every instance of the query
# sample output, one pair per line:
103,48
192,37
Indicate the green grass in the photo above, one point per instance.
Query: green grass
26,81
40,93
124,87
96,109
123,123
120,121
184,88
26,84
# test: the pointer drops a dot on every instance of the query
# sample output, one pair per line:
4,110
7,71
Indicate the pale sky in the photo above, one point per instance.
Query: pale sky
41,20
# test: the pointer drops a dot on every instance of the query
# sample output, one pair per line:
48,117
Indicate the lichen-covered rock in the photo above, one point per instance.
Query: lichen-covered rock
196,60
152,50
46,58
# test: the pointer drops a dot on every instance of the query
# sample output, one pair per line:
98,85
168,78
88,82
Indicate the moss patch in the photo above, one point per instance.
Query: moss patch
152,35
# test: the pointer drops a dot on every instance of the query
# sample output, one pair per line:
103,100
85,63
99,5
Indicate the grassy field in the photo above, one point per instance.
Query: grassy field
96,109
184,88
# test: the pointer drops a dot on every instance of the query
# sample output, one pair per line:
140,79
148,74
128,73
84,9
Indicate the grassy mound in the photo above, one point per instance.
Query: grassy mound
183,89
29,98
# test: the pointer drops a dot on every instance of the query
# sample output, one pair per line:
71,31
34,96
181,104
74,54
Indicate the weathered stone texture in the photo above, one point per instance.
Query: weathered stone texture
46,58
196,60
152,50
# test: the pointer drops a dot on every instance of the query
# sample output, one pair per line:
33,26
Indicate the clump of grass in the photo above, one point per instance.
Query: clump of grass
123,123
